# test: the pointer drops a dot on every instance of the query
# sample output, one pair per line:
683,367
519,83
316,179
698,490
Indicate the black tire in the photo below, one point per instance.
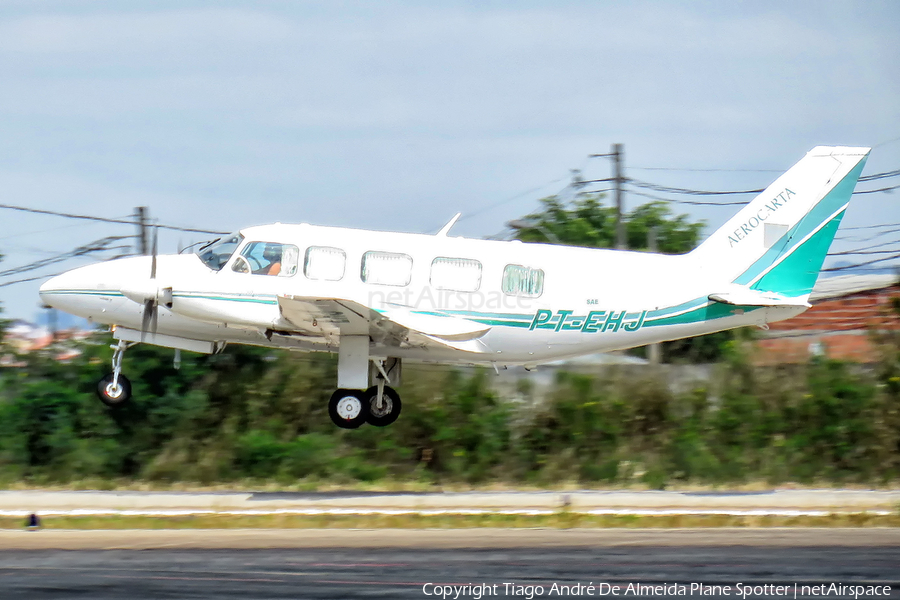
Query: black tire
390,406
347,409
110,397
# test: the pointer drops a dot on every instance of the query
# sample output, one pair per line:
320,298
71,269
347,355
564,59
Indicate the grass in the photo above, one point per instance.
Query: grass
560,520
311,484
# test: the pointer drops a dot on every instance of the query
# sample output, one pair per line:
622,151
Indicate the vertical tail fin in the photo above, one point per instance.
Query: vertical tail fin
778,242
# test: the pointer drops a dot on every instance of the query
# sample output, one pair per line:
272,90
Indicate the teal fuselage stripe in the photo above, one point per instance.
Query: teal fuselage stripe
690,312
710,312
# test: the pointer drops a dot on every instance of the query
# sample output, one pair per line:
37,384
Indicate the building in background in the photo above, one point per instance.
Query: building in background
845,312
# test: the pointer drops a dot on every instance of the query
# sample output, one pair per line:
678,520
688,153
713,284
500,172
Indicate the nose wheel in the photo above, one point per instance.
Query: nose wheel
115,389
114,392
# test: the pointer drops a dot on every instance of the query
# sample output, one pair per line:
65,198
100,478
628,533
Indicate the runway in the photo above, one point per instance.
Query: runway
504,562
614,502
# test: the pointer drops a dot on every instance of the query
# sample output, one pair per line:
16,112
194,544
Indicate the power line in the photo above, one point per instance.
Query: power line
691,202
689,170
490,207
54,213
37,277
852,252
871,226
692,192
862,264
893,173
677,190
100,245
885,189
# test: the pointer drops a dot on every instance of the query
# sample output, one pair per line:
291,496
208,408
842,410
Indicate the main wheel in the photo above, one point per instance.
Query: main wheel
390,406
347,409
114,395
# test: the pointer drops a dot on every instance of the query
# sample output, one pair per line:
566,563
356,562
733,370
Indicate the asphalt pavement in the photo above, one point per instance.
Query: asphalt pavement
770,562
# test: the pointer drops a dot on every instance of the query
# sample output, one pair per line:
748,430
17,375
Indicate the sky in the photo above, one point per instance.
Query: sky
395,115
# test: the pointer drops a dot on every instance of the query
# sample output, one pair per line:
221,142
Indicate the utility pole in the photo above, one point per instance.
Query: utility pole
654,351
140,217
618,156
52,323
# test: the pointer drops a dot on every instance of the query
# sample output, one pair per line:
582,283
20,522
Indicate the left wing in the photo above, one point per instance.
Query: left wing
333,317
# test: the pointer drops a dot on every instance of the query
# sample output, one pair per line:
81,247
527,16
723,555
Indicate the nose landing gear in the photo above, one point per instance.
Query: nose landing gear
115,389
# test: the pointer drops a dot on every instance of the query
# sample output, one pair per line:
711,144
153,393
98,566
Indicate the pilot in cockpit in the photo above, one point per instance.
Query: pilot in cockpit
272,254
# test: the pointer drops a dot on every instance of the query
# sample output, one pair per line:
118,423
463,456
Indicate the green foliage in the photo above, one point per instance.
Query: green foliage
588,223
3,323
255,415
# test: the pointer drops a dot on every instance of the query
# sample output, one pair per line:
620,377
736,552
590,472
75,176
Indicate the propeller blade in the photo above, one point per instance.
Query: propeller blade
149,309
154,319
153,259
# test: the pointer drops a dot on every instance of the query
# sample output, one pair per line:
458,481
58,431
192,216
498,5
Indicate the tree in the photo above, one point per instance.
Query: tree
589,223
3,323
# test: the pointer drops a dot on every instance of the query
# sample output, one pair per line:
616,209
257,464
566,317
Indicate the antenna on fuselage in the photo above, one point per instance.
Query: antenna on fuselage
446,228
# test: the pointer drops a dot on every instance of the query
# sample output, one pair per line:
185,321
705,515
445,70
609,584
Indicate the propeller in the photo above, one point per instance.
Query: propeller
148,293
150,318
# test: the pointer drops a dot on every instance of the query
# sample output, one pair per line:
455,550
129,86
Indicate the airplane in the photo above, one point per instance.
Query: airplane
380,298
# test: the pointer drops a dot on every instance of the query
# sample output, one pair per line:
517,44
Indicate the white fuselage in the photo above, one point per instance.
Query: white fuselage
588,300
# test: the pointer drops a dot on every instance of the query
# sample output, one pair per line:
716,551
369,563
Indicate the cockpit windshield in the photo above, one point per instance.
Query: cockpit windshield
216,253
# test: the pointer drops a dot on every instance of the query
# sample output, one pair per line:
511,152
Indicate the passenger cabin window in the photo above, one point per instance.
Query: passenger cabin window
267,258
325,264
523,281
216,253
386,268
458,274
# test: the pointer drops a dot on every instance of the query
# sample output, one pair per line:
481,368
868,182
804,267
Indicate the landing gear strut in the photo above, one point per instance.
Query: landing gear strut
115,389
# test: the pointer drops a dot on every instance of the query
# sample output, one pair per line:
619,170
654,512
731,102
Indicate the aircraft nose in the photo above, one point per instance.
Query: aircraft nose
69,291
56,290
51,285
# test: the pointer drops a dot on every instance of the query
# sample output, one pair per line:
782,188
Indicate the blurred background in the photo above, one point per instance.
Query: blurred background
395,116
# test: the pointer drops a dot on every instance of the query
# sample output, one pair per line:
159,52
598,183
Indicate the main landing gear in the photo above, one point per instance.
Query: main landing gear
379,405
115,389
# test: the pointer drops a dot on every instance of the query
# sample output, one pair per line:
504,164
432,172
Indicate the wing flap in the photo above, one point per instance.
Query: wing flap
331,317
443,327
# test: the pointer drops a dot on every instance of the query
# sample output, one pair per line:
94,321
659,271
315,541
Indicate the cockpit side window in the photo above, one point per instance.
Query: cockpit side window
217,253
268,258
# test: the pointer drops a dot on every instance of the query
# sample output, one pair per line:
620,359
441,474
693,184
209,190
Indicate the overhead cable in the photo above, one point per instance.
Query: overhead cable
100,245
37,277
104,219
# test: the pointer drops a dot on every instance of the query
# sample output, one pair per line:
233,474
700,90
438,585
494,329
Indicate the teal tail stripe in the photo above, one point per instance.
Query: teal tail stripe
797,273
820,213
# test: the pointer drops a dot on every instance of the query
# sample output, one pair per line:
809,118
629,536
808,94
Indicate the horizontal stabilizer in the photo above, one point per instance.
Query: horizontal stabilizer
744,296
